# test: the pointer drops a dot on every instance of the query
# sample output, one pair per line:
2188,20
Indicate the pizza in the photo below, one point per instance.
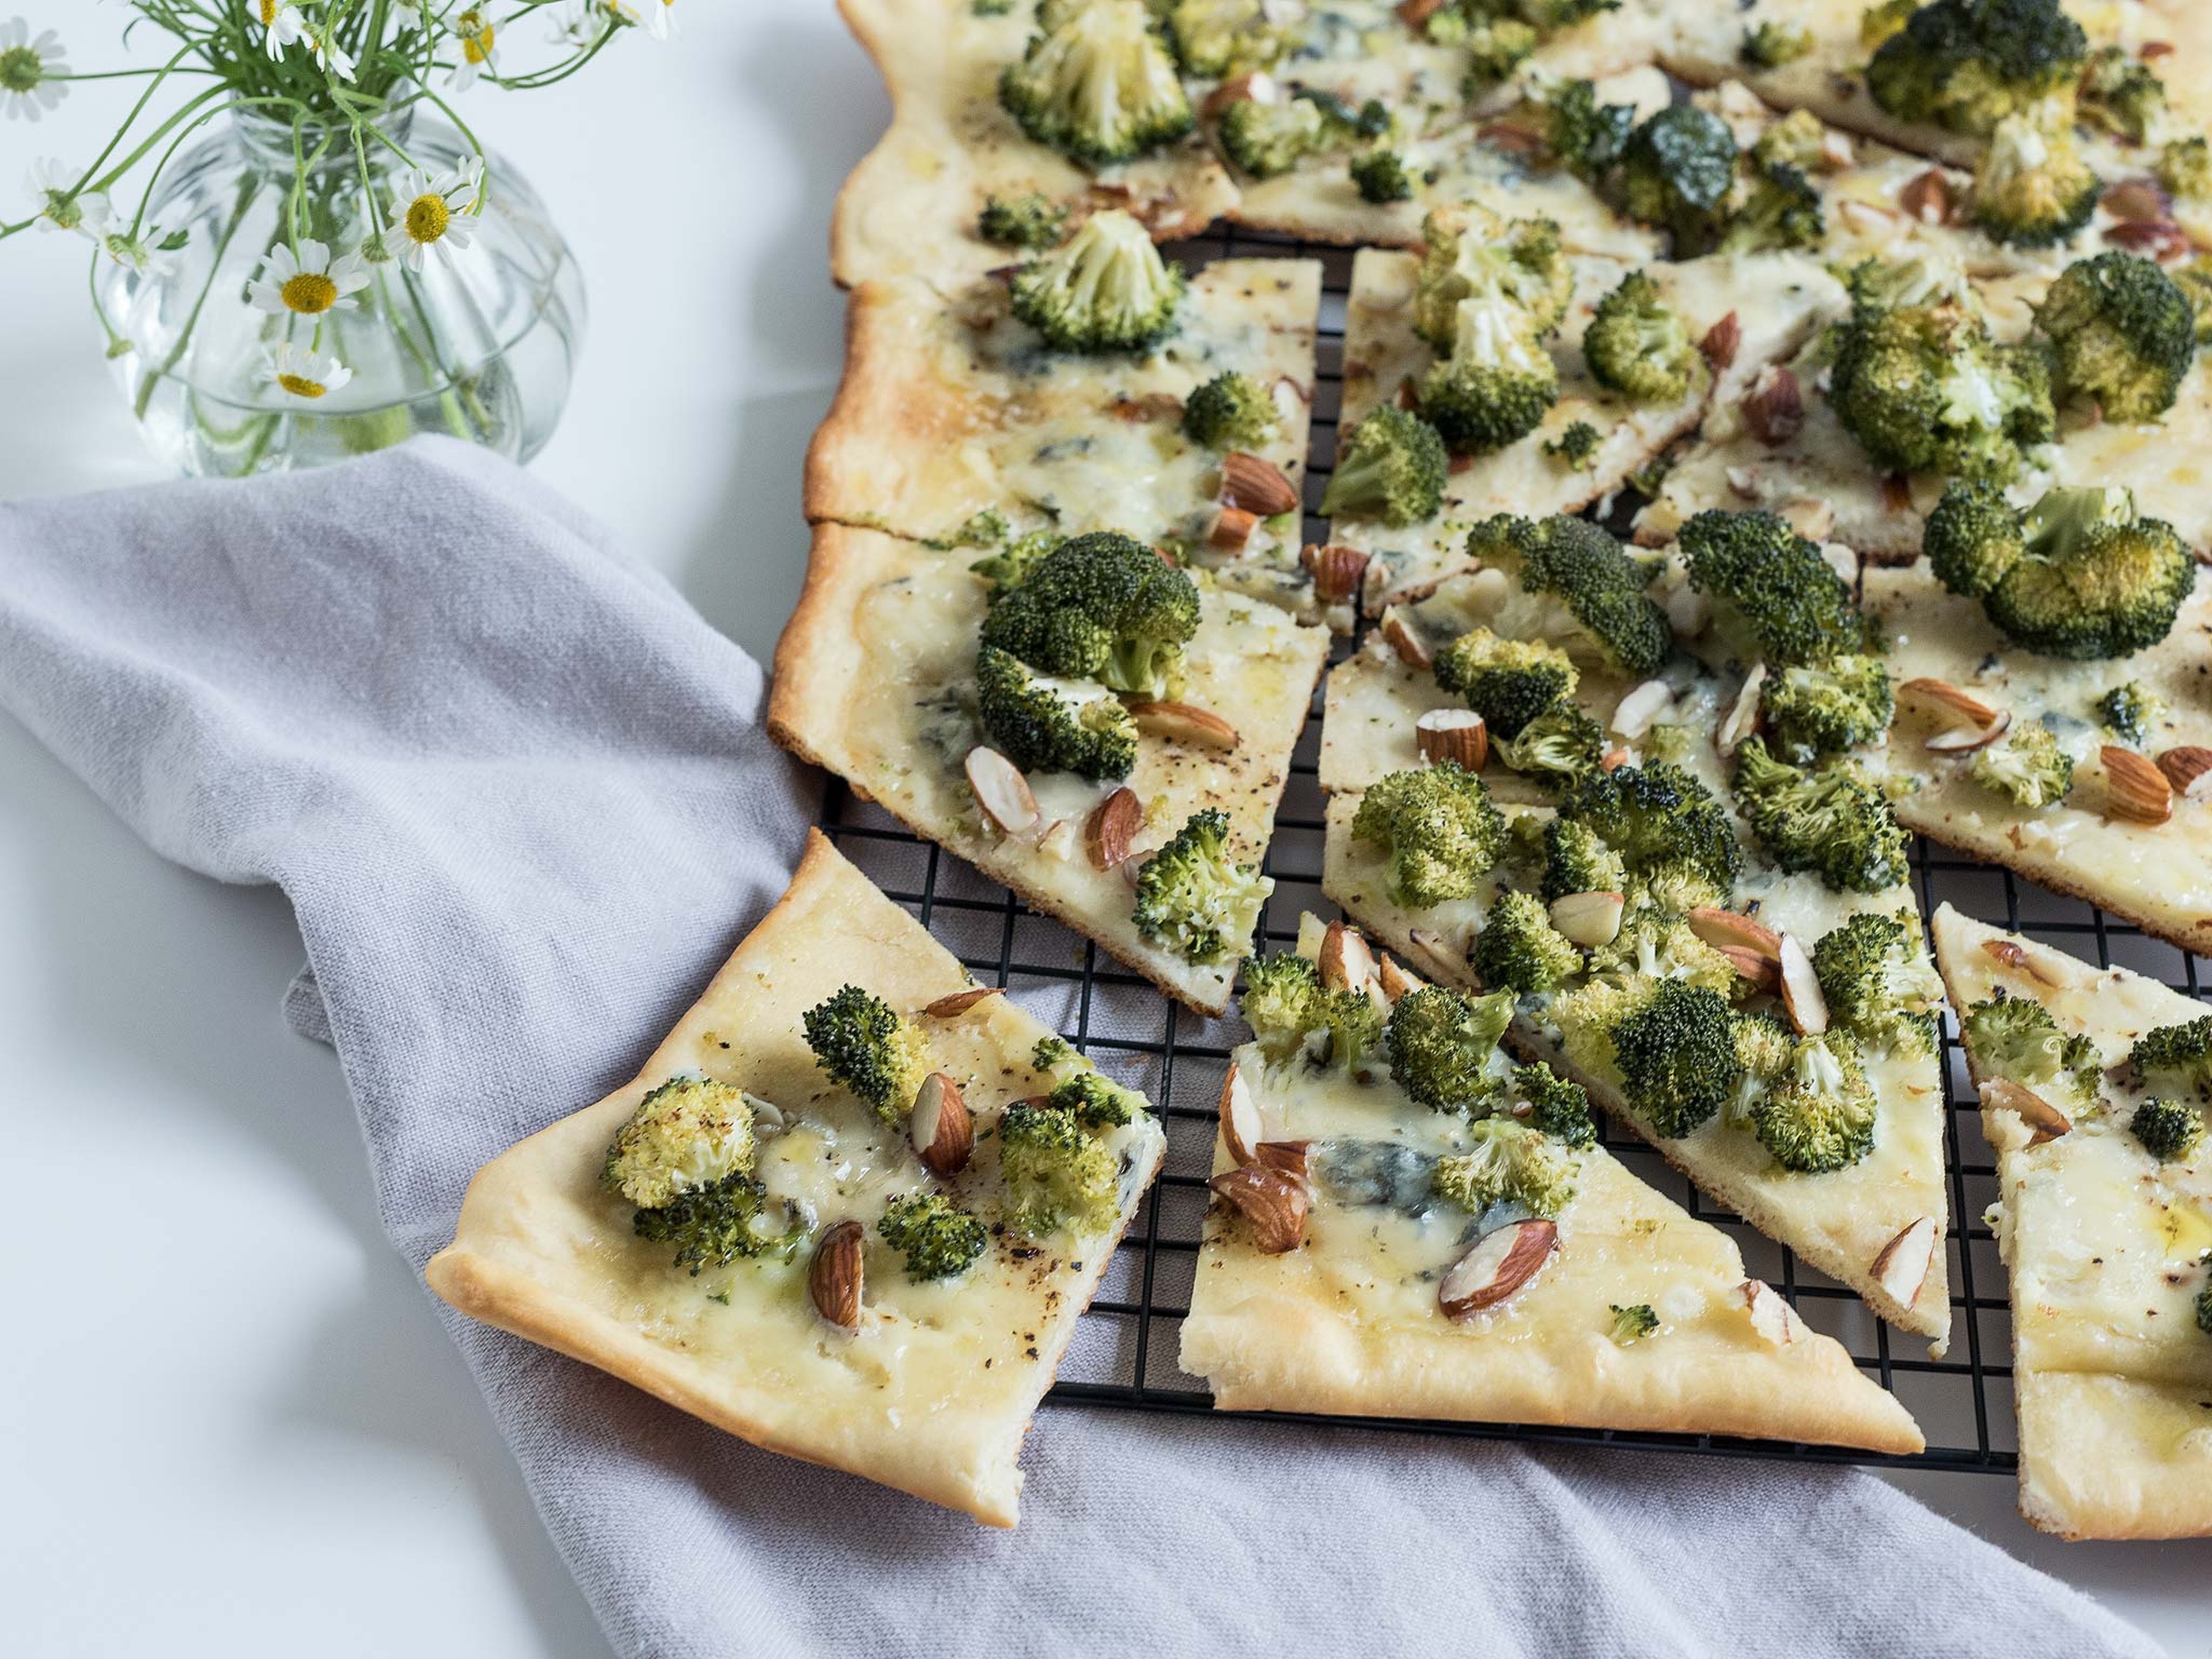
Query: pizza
773,1227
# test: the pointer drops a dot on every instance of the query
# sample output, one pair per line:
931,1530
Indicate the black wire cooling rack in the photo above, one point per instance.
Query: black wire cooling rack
1124,1354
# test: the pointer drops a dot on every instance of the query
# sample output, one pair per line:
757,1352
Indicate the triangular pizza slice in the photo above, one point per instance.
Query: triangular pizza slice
850,1209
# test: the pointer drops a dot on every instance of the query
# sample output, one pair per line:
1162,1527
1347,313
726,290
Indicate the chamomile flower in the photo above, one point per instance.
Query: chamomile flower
28,70
474,34
433,214
659,17
85,214
580,22
151,250
333,56
281,25
308,283
300,372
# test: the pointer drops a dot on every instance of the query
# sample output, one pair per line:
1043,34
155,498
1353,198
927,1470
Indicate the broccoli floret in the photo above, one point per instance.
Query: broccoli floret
1576,860
1878,22
1057,1175
1677,170
2123,332
1495,49
1819,1116
1052,725
2121,93
1096,83
1778,207
2168,1129
1509,1162
1006,568
1496,385
1213,38
1107,289
1973,538
1192,897
1052,1053
1519,949
1229,411
861,1042
936,1237
1097,1102
1770,584
1031,221
714,1225
1508,682
1632,1323
1924,388
1966,64
1831,821
1392,468
1655,944
1579,588
2031,188
1638,345
1657,816
2082,577
1576,447
688,1134
2177,1056
1814,713
1763,1048
2012,1038
1556,1105
1441,1043
1268,138
2193,277
1771,44
1585,137
1291,1011
1676,1056
1676,888
985,527
1100,607
2185,167
1474,255
1798,140
1878,984
2029,766
2132,713
1436,828
1562,742
1380,176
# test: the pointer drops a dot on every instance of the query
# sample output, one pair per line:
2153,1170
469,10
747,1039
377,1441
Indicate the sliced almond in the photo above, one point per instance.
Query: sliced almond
1256,485
1743,717
1774,409
1503,1261
1764,973
1588,920
1896,493
1001,791
2152,51
1927,197
1232,528
2135,790
1347,961
1395,981
1965,739
1902,1267
1809,516
1415,13
1406,640
1453,734
1774,1318
1745,481
833,1278
1338,571
1111,829
2160,240
1272,1201
2045,1121
1437,953
2187,767
1288,1156
1727,930
1836,151
1184,723
2139,198
1259,85
1613,760
1242,1126
940,1127
2016,958
960,1002
1869,219
1722,342
1637,713
1801,988
1952,704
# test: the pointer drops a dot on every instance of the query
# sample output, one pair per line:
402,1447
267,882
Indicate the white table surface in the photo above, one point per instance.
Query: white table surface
231,1420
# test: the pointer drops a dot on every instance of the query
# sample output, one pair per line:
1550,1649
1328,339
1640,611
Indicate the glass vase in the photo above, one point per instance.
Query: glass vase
478,342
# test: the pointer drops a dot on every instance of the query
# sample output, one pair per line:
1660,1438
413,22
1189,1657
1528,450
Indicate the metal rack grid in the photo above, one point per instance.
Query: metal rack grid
1124,1354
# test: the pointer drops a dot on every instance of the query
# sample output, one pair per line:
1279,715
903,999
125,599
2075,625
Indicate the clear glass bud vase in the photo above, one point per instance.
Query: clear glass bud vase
433,295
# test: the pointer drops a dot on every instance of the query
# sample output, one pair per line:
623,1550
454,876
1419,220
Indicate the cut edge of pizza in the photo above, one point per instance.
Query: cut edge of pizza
2089,1222
829,1352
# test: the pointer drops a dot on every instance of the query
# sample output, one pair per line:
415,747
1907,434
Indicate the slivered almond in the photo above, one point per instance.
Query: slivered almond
1722,342
833,1278
2151,50
1232,528
2015,956
1773,1319
1001,791
1453,734
2045,1121
1271,1200
1965,739
1613,760
2187,767
1184,723
1588,920
1412,650
1347,961
1256,485
1636,712
1775,407
1801,988
2160,240
1242,1128
1437,954
1415,13
1337,570
941,1128
1764,973
1111,829
2135,789
1902,1267
1288,1156
1743,714
1503,1261
1952,704
960,1002
1927,197
1394,980
1726,930
1836,151
1258,85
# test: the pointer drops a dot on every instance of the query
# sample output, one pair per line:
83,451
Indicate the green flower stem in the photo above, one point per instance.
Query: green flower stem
155,376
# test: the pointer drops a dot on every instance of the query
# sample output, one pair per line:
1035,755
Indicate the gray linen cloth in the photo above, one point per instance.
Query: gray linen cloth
516,793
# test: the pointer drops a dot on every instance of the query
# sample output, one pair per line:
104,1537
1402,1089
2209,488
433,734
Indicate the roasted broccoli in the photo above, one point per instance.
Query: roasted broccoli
1577,860
1057,1174
1877,983
1814,713
2168,1129
1654,817
2029,766
1771,588
1392,467
1576,447
2193,276
1099,607
1495,49
1095,83
1437,831
1508,682
1966,64
1229,411
1105,289
1674,1047
1677,170
1632,1323
1562,742
860,1040
2185,168
1519,949
1097,1101
1831,821
1291,1012
2121,93
1268,137
1657,944
1579,589
1764,1049
1006,568
2131,712
1213,38
1052,725
1879,21
1775,207
1509,1162
713,1226
2176,1056
1973,538
1474,255
687,1134
1031,221
1556,1105
1196,899
1380,175
1585,137
1820,1114
1441,1044
1799,140
936,1237
1496,386
2124,334
2031,188
1770,45
2016,1038
1638,345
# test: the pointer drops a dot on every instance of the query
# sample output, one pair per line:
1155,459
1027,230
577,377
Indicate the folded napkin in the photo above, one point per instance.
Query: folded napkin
516,792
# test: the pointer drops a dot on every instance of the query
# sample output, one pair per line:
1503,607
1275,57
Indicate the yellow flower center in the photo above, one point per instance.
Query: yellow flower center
269,10
21,69
427,218
300,386
309,292
476,34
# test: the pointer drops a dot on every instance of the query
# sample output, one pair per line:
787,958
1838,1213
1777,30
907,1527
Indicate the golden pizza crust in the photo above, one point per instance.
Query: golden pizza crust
543,1251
